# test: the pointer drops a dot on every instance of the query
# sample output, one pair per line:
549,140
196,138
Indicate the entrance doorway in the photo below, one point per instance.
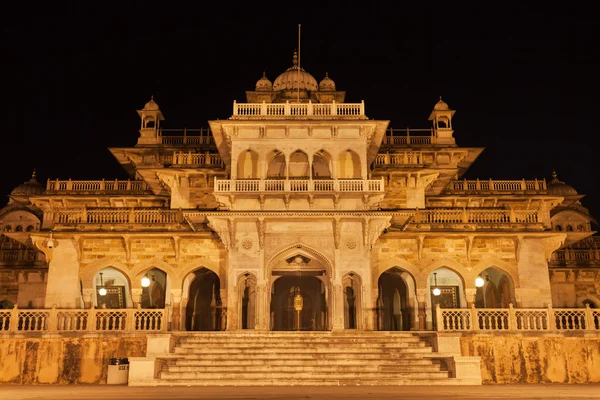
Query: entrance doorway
393,309
287,286
204,307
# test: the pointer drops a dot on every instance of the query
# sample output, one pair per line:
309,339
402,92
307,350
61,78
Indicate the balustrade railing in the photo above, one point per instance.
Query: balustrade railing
517,319
497,185
297,185
299,110
18,255
96,186
475,216
184,137
189,158
117,216
407,136
576,255
82,320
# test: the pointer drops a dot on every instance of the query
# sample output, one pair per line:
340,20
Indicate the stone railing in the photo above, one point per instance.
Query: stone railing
407,137
7,255
404,158
497,186
83,320
475,216
185,137
117,216
97,186
576,255
181,158
308,110
517,319
297,185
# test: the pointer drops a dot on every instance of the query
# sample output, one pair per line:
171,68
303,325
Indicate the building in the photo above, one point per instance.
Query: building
299,213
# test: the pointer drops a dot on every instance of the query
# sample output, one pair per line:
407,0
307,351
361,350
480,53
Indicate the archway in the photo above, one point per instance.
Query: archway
393,306
277,165
446,289
6,305
303,278
299,168
247,301
348,165
497,290
112,289
321,165
204,307
247,167
155,294
352,284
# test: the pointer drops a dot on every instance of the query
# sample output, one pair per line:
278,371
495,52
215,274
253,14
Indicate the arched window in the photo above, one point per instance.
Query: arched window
558,228
30,228
569,228
19,228
7,228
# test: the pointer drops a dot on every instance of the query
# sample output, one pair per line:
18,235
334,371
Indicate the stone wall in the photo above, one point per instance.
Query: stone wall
535,357
65,358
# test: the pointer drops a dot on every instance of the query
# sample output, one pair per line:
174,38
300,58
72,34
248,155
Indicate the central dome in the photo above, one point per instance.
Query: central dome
295,78
559,188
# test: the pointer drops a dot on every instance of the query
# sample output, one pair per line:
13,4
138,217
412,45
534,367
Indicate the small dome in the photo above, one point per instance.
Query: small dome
295,77
29,188
327,84
151,105
441,105
264,84
559,188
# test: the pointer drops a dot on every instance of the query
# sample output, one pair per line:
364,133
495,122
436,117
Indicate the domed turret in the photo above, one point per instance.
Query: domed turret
151,105
327,84
295,78
441,105
264,84
559,188
29,188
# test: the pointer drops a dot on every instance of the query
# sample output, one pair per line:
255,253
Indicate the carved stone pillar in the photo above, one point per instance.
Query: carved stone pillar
338,307
176,313
262,307
470,295
422,307
62,288
136,297
88,297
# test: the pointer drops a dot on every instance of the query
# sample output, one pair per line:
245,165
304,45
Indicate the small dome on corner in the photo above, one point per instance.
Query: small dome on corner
151,105
29,188
441,105
559,188
327,84
264,84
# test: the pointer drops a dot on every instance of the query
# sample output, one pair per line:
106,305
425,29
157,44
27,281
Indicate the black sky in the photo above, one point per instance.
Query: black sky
524,80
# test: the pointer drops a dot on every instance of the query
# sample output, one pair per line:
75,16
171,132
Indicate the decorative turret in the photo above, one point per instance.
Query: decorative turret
441,115
150,128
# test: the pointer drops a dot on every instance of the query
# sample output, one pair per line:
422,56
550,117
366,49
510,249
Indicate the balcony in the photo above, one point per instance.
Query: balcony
97,187
129,218
298,110
475,186
183,159
297,185
186,137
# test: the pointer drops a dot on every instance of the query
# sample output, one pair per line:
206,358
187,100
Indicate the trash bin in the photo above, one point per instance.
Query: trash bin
118,371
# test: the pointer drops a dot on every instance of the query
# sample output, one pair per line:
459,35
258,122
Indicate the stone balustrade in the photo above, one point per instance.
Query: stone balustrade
517,319
289,110
181,158
576,255
83,320
147,216
475,216
297,185
186,137
404,137
497,185
96,186
11,255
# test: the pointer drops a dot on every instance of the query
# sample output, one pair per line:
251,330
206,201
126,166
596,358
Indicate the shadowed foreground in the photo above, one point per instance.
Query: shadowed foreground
76,392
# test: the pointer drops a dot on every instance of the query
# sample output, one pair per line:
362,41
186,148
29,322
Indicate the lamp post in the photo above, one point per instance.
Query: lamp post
436,289
102,290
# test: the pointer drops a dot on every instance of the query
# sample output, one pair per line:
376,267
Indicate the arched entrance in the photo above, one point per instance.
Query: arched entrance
247,301
393,306
352,300
497,290
299,279
204,307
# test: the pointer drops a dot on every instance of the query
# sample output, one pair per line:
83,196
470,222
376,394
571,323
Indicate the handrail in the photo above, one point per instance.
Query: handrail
497,185
83,320
308,110
517,319
102,185
117,216
297,185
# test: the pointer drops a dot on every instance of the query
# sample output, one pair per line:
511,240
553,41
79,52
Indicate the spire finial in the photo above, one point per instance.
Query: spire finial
326,74
152,98
33,174
440,98
264,73
295,59
554,175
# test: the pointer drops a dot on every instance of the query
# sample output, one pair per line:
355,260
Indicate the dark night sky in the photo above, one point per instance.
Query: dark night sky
524,81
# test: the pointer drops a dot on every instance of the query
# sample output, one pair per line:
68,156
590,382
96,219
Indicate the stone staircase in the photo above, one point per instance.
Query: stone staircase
251,358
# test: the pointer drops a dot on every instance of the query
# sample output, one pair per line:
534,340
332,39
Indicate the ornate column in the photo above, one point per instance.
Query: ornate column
88,299
262,307
338,306
470,295
136,297
422,304
176,313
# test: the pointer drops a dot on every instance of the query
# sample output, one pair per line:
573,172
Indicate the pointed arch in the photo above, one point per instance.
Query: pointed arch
247,165
348,165
276,164
508,268
299,166
401,263
88,272
300,249
322,165
450,264
352,291
246,295
206,262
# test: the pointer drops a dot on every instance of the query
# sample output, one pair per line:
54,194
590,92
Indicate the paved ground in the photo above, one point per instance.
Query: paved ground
85,392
